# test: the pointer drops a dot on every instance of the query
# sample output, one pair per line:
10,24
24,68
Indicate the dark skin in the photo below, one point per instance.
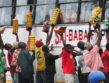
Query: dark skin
107,35
99,37
1,42
17,38
69,48
48,39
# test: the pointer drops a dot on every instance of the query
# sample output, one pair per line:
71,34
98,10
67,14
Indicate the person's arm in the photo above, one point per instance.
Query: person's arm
89,33
78,53
52,57
1,42
48,39
64,43
99,37
17,38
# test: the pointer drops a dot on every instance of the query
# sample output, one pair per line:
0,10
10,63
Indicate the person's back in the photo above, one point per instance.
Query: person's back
50,64
25,61
41,65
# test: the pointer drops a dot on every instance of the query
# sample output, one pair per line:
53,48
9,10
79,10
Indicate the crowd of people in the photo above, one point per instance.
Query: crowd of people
92,60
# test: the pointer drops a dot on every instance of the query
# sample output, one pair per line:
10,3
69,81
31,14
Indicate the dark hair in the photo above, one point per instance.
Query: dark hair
107,46
6,46
80,45
45,49
67,45
22,45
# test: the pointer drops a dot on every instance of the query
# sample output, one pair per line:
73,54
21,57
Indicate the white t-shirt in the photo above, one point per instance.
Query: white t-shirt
84,68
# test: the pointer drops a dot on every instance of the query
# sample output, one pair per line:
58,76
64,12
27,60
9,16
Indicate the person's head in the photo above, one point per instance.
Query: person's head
39,43
7,46
88,46
107,46
22,45
15,45
81,45
96,77
68,48
45,49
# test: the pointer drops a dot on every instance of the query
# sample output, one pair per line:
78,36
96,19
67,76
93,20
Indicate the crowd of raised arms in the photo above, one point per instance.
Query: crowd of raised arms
92,65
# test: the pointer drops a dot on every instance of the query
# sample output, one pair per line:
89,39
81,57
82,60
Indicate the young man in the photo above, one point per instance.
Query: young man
105,59
68,64
50,64
25,61
14,62
41,63
84,69
92,58
96,77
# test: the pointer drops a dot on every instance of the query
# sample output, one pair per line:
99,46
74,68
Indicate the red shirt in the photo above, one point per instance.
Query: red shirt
9,57
68,64
9,61
105,59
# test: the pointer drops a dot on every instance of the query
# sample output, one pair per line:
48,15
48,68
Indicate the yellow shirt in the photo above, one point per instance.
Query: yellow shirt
41,65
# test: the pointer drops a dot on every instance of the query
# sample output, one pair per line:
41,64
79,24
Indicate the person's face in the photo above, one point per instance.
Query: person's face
88,46
41,44
69,49
101,81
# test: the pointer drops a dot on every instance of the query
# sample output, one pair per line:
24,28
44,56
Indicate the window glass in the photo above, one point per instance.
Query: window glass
21,14
42,12
69,12
63,1
5,16
20,2
45,1
89,0
107,10
86,10
5,2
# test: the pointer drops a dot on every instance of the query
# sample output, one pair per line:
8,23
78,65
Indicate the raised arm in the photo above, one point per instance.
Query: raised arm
89,33
99,37
1,42
64,43
17,38
48,39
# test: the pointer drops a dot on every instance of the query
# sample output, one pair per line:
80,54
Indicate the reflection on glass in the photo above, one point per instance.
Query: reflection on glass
62,1
20,2
42,12
45,1
5,2
107,10
89,0
86,11
21,14
69,12
5,16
